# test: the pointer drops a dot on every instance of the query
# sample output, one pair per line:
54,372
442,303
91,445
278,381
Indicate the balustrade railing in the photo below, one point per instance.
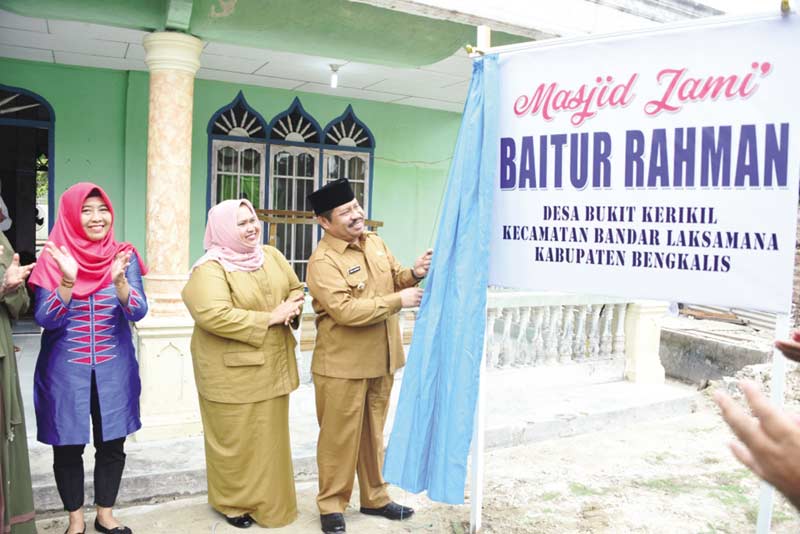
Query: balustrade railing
527,329
532,328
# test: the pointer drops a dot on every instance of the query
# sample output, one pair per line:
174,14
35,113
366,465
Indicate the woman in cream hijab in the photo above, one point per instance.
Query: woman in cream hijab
243,297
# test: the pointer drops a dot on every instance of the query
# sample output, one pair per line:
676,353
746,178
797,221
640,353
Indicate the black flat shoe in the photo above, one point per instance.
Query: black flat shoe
391,511
116,530
81,532
240,521
332,523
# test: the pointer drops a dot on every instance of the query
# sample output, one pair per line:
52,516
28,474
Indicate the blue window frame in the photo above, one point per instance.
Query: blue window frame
348,152
237,149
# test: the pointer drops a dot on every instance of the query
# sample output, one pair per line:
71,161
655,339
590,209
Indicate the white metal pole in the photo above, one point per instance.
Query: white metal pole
778,380
484,38
478,447
479,427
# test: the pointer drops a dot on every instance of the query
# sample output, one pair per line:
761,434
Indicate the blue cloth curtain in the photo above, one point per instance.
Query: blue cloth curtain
431,436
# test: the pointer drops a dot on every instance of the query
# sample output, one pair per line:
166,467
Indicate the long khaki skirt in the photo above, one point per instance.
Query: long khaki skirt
249,460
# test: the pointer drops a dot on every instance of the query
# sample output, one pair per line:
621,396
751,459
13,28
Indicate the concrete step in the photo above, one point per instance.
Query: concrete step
699,350
523,405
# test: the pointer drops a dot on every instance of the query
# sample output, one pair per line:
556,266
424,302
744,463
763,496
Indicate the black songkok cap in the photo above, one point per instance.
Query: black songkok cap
331,195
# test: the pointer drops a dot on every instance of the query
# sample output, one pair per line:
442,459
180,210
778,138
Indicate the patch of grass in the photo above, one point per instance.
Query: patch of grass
673,486
725,486
549,496
780,516
583,491
731,477
731,496
711,460
457,527
728,489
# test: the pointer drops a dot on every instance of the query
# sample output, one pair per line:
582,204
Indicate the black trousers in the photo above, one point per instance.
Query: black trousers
109,461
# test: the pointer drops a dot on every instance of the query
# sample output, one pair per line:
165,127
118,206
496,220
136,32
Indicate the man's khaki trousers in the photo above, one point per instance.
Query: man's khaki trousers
351,414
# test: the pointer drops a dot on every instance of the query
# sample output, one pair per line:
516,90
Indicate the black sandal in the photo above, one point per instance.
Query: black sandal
116,530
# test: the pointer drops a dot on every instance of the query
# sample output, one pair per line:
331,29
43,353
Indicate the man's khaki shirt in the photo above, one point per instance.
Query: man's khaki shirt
354,289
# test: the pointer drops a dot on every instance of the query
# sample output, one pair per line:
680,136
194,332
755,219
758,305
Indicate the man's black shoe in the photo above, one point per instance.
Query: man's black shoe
332,523
240,521
390,511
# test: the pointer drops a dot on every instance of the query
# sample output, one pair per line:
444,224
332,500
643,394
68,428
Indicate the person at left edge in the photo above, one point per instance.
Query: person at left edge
5,218
17,515
87,288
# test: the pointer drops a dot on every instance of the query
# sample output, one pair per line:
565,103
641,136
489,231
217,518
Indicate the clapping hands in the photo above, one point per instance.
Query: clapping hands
64,261
15,274
120,266
286,311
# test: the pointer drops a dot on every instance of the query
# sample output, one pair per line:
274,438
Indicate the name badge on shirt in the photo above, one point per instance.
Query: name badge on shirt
354,270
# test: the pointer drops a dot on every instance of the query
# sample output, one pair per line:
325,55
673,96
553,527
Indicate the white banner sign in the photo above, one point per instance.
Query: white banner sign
663,165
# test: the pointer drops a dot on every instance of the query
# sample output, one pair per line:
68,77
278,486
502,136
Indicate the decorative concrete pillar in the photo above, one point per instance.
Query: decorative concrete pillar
642,342
168,403
173,59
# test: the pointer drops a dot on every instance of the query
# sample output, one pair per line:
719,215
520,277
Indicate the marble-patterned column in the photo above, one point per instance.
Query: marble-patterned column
168,403
173,59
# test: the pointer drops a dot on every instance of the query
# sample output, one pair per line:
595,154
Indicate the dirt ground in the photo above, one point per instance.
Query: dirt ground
668,476
671,476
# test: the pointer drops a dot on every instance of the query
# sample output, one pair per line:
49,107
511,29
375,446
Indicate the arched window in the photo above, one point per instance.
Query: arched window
27,139
348,152
237,146
277,164
294,171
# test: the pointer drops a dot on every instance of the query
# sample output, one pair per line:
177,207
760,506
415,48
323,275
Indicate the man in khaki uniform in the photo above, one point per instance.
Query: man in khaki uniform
357,288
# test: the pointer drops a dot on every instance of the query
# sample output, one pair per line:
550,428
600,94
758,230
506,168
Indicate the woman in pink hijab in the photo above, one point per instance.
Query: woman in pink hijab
244,297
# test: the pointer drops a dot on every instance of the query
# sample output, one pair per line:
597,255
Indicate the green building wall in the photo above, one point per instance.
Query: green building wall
89,106
101,136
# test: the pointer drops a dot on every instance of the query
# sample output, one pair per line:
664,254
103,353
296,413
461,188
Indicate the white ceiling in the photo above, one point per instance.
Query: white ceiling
442,85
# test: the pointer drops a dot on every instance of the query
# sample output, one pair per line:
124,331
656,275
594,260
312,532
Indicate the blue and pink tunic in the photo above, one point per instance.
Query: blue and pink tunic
88,335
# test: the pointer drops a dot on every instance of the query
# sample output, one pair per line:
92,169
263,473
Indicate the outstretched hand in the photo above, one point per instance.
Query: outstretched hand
790,347
769,442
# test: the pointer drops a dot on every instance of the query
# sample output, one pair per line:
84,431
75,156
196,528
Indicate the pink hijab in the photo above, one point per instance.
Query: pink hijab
222,242
94,257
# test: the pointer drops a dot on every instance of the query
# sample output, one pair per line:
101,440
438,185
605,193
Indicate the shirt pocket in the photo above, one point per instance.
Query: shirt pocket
381,262
242,359
357,282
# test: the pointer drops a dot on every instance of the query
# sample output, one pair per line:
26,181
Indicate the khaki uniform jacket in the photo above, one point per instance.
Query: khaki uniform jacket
354,290
237,358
